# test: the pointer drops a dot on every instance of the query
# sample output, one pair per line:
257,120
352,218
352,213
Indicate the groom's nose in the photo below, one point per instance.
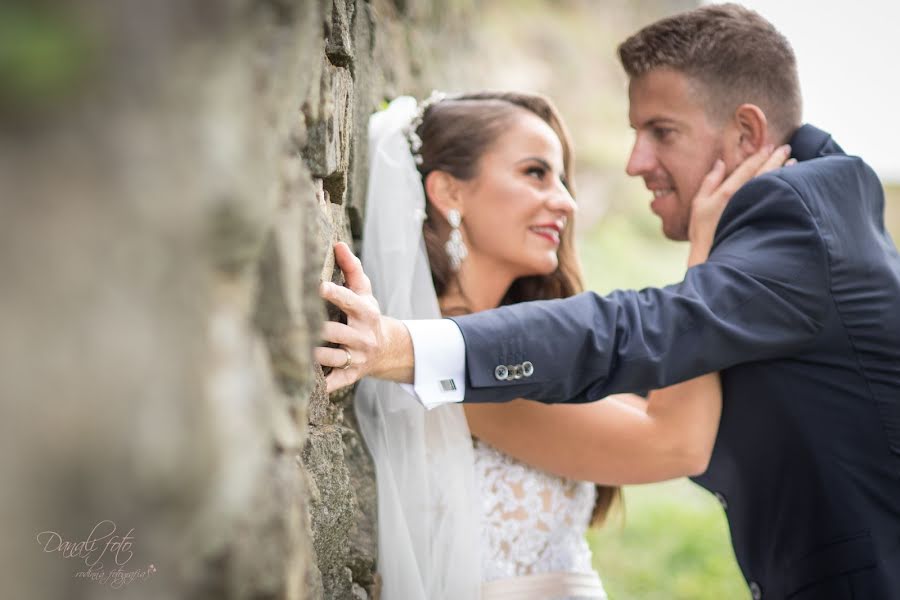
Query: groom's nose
642,159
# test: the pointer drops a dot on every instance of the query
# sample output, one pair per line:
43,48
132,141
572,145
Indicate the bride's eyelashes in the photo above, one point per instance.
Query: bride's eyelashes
537,172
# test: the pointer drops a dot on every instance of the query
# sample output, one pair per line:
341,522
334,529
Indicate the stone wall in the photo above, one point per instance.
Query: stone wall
172,176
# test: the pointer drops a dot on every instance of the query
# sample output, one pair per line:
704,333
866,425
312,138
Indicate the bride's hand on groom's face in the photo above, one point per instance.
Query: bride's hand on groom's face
716,189
361,339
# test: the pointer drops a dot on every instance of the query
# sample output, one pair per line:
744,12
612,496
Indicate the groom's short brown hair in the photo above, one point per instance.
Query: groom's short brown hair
735,55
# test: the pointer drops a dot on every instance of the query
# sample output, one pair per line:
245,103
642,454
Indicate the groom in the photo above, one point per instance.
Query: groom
798,306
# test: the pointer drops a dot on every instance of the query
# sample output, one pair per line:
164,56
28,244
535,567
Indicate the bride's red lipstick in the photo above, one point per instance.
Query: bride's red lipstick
549,231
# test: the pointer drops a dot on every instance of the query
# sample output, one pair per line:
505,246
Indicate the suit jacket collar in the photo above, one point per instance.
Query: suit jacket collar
811,142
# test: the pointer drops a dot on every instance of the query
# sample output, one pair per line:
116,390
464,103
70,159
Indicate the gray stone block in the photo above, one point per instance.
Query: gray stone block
324,233
339,43
328,137
288,308
363,550
332,508
193,224
322,410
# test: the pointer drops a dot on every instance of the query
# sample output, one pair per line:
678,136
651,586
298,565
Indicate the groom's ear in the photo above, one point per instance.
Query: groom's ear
444,191
752,129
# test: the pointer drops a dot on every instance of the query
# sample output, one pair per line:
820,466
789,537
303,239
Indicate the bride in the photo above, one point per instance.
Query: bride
470,206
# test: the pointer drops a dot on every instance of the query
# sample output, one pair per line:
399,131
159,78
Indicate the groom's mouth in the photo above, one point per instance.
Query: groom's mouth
660,195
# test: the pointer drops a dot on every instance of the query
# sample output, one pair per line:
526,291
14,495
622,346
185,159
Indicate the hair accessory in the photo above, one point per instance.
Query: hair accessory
415,142
455,247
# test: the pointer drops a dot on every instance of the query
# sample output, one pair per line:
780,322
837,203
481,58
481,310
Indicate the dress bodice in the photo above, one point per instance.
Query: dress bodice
533,522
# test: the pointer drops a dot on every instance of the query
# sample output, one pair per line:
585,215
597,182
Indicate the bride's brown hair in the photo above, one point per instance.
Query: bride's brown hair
455,134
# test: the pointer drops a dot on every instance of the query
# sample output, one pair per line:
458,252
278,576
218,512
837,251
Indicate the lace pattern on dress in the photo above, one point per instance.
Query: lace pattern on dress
533,522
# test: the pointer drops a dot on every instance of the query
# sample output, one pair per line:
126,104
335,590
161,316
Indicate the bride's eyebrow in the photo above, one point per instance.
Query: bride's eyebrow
547,166
536,159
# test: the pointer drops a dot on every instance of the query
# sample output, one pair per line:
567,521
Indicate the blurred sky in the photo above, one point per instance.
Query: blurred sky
847,54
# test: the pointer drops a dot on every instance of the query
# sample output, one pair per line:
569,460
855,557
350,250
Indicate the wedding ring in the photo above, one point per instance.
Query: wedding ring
349,362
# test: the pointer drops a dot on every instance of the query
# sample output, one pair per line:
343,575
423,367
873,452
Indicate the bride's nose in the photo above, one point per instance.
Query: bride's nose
560,200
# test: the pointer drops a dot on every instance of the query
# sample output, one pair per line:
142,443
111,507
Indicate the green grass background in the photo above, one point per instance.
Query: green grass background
670,543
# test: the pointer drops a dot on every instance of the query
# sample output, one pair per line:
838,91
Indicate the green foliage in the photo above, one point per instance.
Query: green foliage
43,55
673,545
626,250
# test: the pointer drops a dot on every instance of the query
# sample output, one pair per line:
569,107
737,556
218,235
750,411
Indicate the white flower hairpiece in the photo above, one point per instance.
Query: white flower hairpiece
415,142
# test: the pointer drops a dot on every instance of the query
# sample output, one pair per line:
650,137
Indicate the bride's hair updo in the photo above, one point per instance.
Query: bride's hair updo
455,133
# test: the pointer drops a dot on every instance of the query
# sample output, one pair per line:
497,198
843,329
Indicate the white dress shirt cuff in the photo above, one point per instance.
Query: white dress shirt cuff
440,362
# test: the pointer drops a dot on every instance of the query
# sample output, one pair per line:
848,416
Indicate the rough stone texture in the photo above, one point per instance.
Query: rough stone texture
169,202
328,146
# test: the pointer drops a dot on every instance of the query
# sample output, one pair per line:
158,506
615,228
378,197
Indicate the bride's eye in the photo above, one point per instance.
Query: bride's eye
537,172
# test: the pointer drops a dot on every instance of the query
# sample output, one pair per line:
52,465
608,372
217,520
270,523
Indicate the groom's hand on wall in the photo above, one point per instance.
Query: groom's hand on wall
370,344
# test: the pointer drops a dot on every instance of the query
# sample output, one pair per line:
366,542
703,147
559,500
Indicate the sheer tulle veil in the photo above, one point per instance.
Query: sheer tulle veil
428,536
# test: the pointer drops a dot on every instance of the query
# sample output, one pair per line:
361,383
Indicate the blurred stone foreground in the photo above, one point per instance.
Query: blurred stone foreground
172,176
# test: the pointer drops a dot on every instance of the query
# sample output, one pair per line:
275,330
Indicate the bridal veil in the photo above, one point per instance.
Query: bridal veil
428,530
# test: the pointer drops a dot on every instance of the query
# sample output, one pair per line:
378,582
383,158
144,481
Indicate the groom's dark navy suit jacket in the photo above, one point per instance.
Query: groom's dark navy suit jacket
799,307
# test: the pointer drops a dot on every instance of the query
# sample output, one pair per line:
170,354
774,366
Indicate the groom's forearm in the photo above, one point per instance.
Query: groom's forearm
397,361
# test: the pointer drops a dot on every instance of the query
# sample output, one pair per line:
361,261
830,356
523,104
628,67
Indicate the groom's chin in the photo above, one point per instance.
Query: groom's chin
674,229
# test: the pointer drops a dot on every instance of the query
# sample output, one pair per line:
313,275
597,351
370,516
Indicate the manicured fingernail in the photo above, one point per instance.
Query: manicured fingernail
786,148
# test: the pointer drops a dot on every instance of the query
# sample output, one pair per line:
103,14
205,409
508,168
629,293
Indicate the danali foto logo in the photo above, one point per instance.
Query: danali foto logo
102,544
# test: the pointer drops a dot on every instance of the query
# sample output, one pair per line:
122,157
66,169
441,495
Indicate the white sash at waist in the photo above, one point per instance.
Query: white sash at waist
544,586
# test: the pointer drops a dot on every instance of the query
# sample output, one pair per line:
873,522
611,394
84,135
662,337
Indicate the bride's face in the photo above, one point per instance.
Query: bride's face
517,206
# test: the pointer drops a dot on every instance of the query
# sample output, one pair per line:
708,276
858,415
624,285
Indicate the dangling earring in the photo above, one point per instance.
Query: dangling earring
455,247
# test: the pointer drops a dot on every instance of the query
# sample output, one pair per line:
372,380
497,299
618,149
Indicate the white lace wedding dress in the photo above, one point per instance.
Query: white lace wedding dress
532,531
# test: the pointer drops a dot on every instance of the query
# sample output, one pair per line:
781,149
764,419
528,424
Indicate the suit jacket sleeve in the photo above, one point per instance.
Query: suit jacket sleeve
761,295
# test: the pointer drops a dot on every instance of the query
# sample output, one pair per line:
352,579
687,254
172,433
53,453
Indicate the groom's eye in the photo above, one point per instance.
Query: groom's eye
662,133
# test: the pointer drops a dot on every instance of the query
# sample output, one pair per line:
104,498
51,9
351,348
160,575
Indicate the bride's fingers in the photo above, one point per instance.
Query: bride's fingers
748,169
776,160
712,179
357,280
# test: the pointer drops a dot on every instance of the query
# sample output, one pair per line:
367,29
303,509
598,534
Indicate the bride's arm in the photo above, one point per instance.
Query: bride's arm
622,439
611,441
